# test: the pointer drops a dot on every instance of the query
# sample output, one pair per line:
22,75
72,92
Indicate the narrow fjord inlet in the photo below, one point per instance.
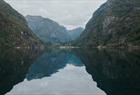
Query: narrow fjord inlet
57,47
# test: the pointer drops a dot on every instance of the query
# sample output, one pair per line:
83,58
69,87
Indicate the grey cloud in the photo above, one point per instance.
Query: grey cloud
67,12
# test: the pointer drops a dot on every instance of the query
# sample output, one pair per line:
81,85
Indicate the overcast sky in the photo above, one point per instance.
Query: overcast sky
70,13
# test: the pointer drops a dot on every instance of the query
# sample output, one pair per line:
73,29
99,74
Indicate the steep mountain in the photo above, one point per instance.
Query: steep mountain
47,30
14,31
75,33
50,31
116,24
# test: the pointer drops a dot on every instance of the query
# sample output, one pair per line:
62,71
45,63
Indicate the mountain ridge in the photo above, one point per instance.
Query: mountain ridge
50,31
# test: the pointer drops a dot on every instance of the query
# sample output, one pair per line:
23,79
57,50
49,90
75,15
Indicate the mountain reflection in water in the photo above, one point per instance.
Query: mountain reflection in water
50,62
57,72
14,66
81,72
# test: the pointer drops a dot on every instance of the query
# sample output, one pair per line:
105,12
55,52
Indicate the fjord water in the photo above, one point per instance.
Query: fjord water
72,72
57,72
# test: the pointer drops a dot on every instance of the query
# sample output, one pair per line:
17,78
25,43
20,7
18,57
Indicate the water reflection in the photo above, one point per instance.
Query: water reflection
14,65
68,81
57,72
116,72
50,62
81,72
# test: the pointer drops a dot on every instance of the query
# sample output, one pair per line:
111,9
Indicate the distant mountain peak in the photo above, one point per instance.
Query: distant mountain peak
50,31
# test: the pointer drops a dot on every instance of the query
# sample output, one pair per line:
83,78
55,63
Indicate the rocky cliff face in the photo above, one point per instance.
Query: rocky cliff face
115,23
14,31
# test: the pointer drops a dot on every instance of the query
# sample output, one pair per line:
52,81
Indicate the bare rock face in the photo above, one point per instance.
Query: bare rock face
115,23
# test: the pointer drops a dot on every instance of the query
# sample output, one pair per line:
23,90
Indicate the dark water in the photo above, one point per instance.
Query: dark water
70,72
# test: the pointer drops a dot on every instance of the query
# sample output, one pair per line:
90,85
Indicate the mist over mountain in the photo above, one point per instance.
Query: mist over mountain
50,31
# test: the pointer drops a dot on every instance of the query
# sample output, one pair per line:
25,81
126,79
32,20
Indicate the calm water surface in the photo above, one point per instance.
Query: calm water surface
71,72
57,72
